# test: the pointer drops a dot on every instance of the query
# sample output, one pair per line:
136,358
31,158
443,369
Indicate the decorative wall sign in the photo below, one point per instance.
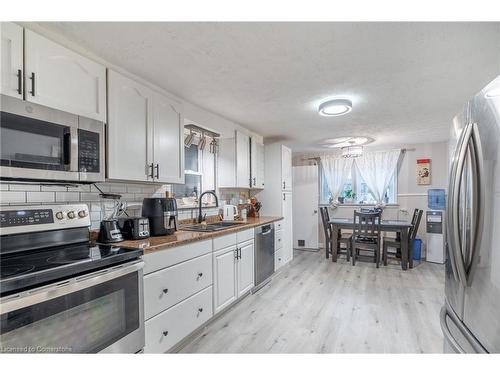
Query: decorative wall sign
423,171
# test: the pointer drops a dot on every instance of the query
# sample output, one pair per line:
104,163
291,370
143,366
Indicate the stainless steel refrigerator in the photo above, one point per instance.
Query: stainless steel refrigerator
470,318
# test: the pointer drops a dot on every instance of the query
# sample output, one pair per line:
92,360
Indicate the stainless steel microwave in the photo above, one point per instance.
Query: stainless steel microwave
41,143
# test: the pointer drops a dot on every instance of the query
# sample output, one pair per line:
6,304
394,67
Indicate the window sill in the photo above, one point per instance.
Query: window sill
359,205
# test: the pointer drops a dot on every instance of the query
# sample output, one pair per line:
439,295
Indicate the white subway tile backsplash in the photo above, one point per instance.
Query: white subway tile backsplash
93,197
4,187
40,196
134,189
7,197
83,188
95,216
24,187
67,196
115,187
54,188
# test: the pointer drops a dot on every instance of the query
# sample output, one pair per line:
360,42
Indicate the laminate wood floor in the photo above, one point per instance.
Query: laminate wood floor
316,306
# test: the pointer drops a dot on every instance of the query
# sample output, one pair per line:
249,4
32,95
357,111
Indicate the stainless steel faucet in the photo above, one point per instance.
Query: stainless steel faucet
200,216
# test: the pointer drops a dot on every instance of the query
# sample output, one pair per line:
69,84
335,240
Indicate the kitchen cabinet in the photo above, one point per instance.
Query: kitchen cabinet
233,269
62,79
276,198
234,161
11,82
144,133
256,164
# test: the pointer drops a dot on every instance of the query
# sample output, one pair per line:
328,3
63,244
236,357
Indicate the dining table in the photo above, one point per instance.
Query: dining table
398,226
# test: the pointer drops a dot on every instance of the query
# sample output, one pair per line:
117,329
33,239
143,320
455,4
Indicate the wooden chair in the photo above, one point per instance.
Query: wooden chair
390,242
341,238
366,235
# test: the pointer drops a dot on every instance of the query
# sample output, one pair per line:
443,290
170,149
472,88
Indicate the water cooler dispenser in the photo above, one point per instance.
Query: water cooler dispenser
435,226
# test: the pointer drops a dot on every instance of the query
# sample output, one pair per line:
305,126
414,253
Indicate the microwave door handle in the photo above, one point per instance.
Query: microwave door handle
67,149
456,254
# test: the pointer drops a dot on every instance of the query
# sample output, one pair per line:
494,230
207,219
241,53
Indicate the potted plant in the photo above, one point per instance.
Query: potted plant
350,196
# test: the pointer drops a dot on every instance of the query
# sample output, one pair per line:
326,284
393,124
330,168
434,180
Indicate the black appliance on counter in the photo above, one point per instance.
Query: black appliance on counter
162,215
59,292
134,228
109,231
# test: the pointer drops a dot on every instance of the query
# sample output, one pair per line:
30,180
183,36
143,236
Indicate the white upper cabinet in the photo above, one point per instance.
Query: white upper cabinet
11,82
256,164
234,161
286,168
168,149
62,79
145,139
130,107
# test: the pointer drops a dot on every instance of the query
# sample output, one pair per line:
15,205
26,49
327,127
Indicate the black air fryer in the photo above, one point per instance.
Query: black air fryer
162,215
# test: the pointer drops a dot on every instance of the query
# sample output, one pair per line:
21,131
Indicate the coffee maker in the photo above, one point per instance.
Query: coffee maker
162,215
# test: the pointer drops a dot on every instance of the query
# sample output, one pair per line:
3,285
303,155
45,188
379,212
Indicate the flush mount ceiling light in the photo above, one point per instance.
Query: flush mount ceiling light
340,142
352,151
335,107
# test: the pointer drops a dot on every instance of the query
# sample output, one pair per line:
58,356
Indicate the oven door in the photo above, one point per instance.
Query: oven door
37,142
97,312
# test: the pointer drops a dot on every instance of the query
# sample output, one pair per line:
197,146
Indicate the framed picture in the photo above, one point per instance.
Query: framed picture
423,171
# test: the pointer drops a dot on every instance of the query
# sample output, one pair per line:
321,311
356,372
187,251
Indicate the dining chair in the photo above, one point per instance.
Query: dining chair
341,238
395,243
366,235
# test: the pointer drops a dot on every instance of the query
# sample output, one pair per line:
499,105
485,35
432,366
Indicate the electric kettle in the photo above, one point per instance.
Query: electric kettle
229,212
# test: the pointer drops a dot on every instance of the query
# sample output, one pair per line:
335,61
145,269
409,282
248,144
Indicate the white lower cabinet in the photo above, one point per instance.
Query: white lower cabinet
171,326
233,269
278,259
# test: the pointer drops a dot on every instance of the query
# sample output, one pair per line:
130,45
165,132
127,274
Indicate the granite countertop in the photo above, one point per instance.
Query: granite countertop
181,237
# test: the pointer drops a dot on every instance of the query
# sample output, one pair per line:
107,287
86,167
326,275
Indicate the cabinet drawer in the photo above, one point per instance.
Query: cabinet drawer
245,235
224,241
278,240
278,259
168,257
168,328
165,288
278,225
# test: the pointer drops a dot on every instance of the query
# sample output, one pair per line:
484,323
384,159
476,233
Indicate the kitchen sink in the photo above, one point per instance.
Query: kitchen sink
211,227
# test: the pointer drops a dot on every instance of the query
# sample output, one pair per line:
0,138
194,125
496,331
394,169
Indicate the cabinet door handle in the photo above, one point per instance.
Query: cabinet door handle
150,167
284,197
284,185
165,291
254,181
236,253
157,171
200,309
239,253
19,81
200,274
165,333
32,92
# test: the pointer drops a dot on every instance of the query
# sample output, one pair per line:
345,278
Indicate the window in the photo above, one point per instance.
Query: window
356,190
199,172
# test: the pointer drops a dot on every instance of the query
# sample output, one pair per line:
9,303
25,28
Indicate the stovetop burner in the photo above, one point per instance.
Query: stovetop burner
7,270
21,270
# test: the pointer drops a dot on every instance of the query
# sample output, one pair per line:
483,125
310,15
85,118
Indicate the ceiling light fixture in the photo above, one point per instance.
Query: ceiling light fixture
493,93
335,107
340,142
352,151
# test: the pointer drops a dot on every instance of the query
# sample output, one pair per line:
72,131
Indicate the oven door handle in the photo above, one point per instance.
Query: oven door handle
45,293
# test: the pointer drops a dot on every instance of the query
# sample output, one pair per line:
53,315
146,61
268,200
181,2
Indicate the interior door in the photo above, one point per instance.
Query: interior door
305,207
168,147
482,262
62,79
245,267
286,168
225,291
11,82
129,126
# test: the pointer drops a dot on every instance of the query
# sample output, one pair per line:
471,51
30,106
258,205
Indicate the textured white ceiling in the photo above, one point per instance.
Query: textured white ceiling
406,80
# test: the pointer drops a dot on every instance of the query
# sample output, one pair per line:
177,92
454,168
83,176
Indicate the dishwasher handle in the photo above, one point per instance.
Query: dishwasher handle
265,229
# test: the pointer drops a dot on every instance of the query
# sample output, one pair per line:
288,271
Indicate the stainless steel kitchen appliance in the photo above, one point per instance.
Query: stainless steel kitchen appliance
470,318
264,255
58,292
162,215
41,143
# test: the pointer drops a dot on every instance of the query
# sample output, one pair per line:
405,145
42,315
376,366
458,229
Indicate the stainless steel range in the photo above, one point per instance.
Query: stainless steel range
58,292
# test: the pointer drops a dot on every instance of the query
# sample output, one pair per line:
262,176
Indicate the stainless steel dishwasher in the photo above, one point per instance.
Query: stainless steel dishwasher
264,254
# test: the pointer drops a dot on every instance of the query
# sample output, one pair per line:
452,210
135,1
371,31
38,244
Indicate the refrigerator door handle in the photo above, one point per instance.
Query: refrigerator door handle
455,242
477,199
447,333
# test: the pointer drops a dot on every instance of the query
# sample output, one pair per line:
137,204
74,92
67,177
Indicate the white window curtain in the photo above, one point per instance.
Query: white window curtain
336,170
376,169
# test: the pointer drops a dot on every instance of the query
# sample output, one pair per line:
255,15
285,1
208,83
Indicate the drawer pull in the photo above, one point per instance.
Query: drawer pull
200,274
165,291
165,333
200,309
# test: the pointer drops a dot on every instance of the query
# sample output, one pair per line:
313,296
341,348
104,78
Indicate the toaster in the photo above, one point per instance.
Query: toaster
134,228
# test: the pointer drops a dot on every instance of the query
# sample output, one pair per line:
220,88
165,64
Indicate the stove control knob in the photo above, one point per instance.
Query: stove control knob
59,215
82,214
71,214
